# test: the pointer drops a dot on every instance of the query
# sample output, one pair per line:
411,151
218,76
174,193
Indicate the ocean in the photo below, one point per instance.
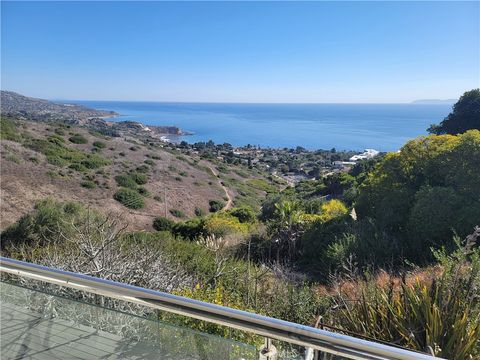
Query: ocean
384,127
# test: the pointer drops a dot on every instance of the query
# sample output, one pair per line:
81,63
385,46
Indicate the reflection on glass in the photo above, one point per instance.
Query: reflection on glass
36,325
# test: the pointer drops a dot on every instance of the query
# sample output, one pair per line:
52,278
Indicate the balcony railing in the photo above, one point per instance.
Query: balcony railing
314,340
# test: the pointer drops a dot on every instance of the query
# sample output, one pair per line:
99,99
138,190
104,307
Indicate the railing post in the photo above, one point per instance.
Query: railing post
268,351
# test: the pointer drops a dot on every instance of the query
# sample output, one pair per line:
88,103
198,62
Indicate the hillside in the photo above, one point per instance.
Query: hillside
13,104
260,229
72,163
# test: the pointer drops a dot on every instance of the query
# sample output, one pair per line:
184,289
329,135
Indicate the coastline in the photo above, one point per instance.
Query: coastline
384,127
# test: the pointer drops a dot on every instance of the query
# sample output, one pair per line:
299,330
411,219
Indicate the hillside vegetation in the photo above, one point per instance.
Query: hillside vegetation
388,249
115,174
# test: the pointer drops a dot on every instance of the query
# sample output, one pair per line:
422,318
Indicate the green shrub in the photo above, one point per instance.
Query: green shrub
78,167
177,213
154,156
216,205
57,160
190,229
49,222
125,181
93,161
131,180
143,169
441,315
142,191
179,179
56,139
129,198
60,155
140,179
163,224
78,139
199,212
149,162
243,214
88,184
99,144
261,184
8,130
183,173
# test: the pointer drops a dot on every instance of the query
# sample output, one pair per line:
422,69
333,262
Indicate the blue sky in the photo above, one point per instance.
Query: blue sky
241,51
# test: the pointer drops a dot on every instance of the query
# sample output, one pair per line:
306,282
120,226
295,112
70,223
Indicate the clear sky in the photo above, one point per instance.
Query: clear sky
241,51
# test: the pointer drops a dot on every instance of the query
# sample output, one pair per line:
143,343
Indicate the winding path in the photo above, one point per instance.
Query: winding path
229,203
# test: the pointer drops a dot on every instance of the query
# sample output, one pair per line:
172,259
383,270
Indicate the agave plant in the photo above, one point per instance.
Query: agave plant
439,316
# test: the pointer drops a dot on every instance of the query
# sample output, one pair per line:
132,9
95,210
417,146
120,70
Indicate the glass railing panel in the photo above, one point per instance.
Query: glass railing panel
40,325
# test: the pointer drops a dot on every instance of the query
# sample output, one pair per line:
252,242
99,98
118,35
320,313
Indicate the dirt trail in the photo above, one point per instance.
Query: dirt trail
229,203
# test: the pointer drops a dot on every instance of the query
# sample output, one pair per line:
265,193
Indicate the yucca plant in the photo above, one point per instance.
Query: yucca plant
440,316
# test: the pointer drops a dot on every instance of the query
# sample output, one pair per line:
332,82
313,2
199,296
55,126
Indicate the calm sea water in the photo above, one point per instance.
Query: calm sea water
385,127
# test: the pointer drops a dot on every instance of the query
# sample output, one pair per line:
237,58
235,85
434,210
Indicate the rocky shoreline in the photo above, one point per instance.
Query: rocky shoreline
28,108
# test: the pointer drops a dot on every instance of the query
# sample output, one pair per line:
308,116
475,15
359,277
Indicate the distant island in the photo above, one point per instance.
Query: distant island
434,101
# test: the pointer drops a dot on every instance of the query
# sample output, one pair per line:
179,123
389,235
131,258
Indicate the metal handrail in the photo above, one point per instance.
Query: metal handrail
318,339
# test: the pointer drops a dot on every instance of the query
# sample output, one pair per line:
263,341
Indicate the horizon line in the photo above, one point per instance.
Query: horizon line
434,102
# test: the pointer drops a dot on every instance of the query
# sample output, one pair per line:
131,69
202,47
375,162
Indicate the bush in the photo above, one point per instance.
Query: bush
78,167
56,139
163,224
99,144
142,191
131,180
126,181
143,169
78,139
88,184
424,192
57,161
243,214
93,161
49,222
216,205
140,179
177,213
8,130
261,184
129,198
60,155
440,314
199,212
190,229
223,224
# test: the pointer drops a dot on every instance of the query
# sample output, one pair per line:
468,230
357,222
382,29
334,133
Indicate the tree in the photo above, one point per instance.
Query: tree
427,190
465,115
